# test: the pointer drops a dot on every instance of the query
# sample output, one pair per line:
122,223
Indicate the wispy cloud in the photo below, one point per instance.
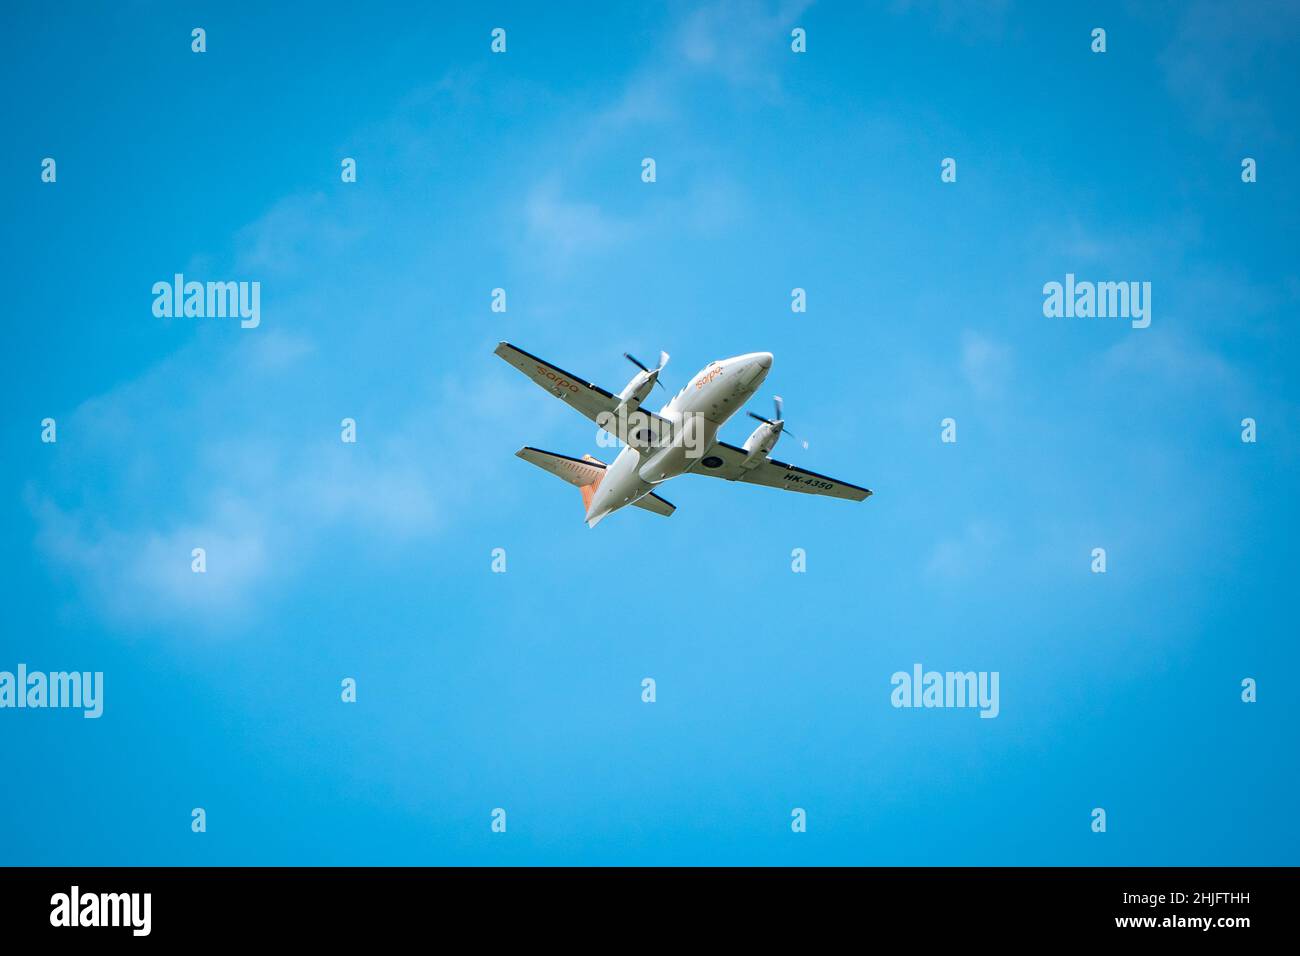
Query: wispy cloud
965,553
566,228
210,450
985,364
741,43
1214,57
292,235
1171,358
976,22
738,41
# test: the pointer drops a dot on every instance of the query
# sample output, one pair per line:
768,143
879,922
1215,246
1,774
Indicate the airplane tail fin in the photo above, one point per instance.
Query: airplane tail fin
589,492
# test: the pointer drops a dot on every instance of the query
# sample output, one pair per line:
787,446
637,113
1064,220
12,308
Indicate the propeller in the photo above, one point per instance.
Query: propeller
779,422
663,360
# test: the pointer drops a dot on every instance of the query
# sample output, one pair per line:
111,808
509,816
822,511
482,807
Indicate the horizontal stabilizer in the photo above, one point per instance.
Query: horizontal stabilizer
576,471
652,502
586,473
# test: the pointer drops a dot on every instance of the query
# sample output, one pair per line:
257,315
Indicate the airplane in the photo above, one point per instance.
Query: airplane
680,439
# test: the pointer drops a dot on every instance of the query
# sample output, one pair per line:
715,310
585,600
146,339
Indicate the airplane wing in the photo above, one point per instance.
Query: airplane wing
641,428
726,461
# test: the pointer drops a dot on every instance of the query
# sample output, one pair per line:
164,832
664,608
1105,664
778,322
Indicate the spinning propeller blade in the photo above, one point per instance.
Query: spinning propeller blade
653,372
779,422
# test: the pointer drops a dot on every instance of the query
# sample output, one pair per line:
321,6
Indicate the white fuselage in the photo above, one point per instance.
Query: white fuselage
716,393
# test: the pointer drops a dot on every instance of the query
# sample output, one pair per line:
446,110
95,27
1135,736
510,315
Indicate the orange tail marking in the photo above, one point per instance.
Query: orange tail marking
589,491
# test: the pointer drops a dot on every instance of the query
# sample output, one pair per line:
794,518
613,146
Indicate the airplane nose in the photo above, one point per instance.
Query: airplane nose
754,367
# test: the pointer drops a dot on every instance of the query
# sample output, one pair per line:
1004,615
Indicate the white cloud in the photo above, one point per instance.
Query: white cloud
741,42
144,573
294,234
232,444
203,470
965,553
985,364
561,229
1169,357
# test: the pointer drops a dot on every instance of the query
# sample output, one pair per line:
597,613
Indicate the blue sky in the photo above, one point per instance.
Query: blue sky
522,690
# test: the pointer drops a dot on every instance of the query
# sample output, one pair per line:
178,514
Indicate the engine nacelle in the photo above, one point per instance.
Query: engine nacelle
637,390
760,443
